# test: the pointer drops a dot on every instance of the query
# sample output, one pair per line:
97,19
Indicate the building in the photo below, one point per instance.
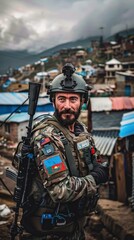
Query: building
106,114
16,126
12,101
111,67
125,83
126,135
113,132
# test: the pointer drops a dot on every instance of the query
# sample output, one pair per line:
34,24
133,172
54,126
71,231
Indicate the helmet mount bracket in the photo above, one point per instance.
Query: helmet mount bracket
68,82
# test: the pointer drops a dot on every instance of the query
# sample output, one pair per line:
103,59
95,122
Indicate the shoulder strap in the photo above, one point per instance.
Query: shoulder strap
65,131
69,156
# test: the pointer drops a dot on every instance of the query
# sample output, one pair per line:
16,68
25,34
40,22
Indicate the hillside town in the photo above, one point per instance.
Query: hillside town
108,67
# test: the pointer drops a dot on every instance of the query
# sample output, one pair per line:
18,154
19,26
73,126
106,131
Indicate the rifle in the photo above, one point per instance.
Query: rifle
26,162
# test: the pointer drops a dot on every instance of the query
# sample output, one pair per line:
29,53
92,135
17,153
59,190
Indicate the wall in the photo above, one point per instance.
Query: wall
16,131
22,130
120,83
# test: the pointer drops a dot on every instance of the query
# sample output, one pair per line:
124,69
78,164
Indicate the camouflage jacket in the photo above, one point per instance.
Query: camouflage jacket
56,192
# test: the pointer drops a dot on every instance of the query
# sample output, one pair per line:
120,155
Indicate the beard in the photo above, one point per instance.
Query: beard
67,121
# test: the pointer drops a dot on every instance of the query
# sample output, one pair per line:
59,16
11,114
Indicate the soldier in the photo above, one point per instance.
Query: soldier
65,186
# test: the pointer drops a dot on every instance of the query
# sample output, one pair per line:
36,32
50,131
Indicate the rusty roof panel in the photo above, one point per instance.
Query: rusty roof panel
121,103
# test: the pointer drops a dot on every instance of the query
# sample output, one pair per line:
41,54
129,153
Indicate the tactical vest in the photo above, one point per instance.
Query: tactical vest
49,137
76,143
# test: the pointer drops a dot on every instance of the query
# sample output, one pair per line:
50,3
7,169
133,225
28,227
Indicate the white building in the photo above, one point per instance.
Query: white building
111,67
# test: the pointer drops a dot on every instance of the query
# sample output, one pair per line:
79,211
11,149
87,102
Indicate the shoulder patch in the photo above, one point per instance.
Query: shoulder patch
44,141
53,165
48,149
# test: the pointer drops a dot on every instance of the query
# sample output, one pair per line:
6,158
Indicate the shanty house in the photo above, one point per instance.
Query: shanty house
108,130
125,83
16,126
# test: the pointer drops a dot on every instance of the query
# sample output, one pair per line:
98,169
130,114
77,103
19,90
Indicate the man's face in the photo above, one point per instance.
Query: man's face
67,107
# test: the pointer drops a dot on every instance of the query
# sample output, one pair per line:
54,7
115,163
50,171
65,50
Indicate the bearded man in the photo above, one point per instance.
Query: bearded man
65,186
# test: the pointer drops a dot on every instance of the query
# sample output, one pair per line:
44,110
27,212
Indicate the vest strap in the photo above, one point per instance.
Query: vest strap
69,156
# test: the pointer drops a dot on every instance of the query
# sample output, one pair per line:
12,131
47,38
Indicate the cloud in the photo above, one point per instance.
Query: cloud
38,25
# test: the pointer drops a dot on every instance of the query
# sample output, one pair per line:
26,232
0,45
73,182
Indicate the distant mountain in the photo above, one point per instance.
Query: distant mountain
123,33
12,59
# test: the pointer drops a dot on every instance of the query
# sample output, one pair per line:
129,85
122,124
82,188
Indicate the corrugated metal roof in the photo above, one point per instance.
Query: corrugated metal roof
127,125
132,101
105,141
101,104
121,103
109,120
97,103
20,117
128,115
13,98
111,103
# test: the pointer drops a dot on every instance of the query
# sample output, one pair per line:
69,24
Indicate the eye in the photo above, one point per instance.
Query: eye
73,99
61,99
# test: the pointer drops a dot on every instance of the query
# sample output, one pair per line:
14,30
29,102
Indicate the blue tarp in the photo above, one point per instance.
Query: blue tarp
127,125
6,84
128,116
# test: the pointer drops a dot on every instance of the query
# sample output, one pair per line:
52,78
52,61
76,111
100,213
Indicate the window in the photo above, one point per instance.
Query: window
7,127
111,66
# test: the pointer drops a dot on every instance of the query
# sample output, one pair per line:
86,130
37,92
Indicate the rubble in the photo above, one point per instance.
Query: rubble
4,211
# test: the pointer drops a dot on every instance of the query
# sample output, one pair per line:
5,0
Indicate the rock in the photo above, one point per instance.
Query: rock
4,211
117,218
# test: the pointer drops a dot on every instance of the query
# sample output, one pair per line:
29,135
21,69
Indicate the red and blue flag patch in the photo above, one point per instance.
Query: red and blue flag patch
44,141
54,164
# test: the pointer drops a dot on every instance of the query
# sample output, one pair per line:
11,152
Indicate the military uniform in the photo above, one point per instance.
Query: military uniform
65,172
59,200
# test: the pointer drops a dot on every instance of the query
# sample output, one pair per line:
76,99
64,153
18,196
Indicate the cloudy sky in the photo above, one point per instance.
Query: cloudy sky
37,25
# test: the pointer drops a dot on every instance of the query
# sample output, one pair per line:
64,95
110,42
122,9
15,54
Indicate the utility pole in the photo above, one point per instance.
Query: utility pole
101,37
127,31
43,61
101,28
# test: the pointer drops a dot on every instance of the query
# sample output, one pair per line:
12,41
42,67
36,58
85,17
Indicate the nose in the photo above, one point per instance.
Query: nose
67,104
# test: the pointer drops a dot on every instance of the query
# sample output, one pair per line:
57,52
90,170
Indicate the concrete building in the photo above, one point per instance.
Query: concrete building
111,67
125,83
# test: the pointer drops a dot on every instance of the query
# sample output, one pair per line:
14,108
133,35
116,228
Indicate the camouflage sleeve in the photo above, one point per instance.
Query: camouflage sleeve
72,188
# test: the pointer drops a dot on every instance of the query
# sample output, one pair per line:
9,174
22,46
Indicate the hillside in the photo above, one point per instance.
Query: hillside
16,59
123,33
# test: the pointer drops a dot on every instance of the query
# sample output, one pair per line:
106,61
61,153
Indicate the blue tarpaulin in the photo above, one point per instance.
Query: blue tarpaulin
127,125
